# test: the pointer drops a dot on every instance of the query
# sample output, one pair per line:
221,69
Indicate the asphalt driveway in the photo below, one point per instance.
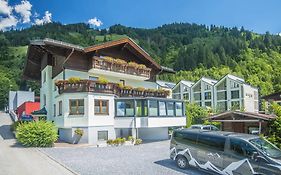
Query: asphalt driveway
148,158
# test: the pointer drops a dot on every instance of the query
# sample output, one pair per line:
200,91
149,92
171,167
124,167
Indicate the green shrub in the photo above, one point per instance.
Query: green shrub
117,141
37,134
122,140
14,126
138,141
79,132
131,139
110,142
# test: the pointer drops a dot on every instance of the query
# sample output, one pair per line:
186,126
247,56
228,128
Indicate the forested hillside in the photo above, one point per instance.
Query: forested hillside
193,50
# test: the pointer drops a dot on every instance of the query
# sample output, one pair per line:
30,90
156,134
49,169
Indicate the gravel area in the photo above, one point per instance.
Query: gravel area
148,158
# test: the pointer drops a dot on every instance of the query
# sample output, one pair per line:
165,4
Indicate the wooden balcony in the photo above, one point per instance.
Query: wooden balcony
120,66
108,88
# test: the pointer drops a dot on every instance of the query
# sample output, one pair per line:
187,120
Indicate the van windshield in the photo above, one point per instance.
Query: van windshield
266,147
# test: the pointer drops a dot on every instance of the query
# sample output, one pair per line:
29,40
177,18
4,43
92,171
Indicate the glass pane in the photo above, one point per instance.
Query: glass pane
81,109
162,108
139,108
186,96
176,96
176,90
145,108
72,103
208,103
73,110
153,108
208,96
234,94
129,108
222,86
170,108
102,135
197,88
235,105
222,106
178,109
197,96
120,108
221,95
80,102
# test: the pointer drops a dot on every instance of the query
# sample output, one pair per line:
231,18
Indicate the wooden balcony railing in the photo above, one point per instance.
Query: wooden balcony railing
109,88
121,66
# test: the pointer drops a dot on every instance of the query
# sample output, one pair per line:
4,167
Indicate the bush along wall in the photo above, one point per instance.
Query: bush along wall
37,134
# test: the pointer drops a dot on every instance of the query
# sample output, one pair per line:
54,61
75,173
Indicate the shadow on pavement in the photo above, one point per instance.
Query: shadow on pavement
5,132
168,163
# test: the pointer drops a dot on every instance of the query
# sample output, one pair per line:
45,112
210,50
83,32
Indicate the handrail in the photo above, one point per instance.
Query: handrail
13,115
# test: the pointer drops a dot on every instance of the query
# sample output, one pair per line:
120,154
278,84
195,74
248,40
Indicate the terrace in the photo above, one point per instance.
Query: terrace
102,86
120,66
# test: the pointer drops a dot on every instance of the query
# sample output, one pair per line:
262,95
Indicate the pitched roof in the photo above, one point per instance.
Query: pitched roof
223,115
128,41
187,83
209,80
165,84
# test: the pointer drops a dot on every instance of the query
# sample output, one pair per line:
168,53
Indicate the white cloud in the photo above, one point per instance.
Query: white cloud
95,22
46,19
5,8
8,22
24,9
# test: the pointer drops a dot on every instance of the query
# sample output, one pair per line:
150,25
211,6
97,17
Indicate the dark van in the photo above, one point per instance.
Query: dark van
226,153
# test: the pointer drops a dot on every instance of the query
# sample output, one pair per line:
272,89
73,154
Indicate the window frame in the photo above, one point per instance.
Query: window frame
106,135
100,107
60,108
77,106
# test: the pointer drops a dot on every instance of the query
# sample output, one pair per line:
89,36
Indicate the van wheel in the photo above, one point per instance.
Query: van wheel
181,162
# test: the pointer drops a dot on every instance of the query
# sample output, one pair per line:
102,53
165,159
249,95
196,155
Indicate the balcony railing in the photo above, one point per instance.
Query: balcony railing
108,88
121,66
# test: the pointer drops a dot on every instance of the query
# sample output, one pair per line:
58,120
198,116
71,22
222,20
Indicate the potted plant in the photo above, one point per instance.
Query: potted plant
78,133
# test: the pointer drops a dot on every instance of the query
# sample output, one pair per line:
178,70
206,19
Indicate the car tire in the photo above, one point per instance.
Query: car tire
181,162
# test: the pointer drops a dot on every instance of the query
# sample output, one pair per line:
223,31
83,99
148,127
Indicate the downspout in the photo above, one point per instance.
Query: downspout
63,68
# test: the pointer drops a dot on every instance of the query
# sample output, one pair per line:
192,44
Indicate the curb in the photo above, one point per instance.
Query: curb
61,164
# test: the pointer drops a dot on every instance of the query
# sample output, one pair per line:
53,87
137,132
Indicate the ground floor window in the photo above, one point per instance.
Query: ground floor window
153,108
141,108
101,107
60,107
102,135
125,108
179,109
76,107
170,108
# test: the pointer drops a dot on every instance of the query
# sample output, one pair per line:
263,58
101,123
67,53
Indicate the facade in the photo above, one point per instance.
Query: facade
232,93
203,92
17,98
109,90
182,90
229,93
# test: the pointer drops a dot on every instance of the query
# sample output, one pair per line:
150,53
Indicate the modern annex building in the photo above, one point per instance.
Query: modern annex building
109,90
229,93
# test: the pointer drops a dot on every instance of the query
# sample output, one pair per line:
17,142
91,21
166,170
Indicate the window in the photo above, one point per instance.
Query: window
125,108
186,96
179,110
102,135
153,108
221,95
44,100
222,86
44,77
241,148
208,104
185,138
235,105
170,108
222,106
176,96
60,107
54,110
141,108
101,107
176,90
207,87
197,88
234,85
162,108
76,106
185,89
213,142
234,94
93,78
208,95
197,96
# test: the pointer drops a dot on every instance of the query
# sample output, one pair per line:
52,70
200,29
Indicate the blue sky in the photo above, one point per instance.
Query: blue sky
256,15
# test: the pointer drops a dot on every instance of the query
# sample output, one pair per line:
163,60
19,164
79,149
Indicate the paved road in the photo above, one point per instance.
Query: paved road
17,160
145,159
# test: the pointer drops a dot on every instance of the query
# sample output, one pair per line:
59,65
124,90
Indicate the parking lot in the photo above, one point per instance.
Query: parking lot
148,158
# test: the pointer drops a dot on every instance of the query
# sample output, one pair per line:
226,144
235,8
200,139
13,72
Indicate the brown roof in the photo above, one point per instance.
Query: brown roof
274,96
122,41
223,115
